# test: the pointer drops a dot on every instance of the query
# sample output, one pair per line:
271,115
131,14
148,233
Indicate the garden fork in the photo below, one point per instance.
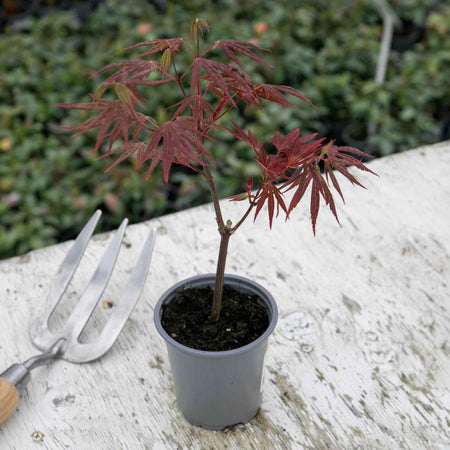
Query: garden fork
66,345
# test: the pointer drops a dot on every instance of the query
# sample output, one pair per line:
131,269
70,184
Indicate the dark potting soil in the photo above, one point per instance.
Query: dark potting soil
187,319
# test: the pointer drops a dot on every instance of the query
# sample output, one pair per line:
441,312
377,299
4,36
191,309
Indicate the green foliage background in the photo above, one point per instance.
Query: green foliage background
50,184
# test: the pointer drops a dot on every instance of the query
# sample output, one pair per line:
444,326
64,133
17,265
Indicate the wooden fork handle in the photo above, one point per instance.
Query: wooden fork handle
16,377
9,396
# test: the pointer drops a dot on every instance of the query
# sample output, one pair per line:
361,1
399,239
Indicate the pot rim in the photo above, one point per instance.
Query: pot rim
235,279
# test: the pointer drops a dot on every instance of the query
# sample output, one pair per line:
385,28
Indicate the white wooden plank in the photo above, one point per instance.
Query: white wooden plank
360,357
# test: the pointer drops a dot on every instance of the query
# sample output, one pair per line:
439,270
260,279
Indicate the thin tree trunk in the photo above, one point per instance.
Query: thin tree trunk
220,272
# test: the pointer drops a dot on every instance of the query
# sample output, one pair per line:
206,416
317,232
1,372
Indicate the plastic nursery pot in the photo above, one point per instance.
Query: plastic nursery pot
215,390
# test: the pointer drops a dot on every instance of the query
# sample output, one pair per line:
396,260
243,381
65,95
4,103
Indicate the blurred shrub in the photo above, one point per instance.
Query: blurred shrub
50,184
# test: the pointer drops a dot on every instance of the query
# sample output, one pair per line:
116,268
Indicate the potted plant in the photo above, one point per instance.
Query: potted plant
216,326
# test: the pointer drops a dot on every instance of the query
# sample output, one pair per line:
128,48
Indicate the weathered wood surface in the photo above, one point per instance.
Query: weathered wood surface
360,357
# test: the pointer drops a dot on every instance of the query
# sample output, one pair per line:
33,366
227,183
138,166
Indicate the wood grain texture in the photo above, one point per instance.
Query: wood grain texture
9,396
360,356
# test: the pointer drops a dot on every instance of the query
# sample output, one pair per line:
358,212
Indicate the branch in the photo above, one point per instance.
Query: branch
249,209
212,188
178,78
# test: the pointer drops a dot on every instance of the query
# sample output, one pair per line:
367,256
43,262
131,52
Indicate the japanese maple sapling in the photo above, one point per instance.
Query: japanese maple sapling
209,91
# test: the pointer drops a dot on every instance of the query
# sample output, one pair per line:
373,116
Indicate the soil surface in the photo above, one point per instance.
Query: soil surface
187,319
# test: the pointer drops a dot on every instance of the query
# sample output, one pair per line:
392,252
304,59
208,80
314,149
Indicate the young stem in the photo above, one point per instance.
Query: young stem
215,198
249,209
180,84
225,233
220,272
198,43
225,230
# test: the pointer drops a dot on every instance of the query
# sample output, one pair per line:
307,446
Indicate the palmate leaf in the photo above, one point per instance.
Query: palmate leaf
294,145
272,195
333,158
176,141
301,182
307,175
199,108
165,46
180,140
239,83
249,138
339,158
231,80
215,72
126,150
293,152
285,143
114,114
231,47
129,70
159,46
272,167
274,93
295,166
125,80
295,149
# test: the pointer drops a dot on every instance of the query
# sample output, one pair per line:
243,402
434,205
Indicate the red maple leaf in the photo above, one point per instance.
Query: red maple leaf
215,72
231,47
271,194
131,71
180,140
175,141
113,114
274,93
159,46
199,108
210,90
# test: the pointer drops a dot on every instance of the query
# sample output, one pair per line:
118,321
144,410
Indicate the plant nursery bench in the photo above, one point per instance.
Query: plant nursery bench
360,357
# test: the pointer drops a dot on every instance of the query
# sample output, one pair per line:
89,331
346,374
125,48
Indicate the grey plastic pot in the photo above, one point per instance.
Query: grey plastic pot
218,389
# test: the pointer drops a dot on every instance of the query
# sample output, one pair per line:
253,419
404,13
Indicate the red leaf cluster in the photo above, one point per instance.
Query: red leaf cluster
294,166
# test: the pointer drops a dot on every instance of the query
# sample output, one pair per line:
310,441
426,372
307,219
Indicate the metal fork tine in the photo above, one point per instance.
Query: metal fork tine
70,264
39,325
91,295
77,352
